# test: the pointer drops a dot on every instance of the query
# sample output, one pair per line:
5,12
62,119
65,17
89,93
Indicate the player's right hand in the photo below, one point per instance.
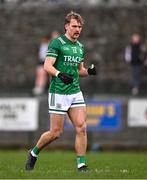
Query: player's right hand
65,77
92,70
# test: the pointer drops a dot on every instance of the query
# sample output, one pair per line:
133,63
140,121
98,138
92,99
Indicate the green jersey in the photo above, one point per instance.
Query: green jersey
68,56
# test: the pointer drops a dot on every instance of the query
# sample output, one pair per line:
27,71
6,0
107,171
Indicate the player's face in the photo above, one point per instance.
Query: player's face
73,29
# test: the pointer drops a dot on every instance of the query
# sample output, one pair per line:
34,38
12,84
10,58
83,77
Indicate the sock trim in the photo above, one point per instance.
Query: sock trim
33,154
81,164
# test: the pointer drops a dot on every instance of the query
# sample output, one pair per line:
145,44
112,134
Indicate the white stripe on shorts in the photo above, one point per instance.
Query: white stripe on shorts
78,105
56,112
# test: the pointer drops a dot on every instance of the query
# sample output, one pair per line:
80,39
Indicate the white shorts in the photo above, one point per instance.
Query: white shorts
60,103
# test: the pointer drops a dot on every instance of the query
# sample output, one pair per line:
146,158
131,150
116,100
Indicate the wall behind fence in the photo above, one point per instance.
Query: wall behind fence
106,32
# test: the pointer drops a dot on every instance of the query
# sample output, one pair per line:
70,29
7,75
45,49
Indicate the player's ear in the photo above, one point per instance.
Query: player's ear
66,26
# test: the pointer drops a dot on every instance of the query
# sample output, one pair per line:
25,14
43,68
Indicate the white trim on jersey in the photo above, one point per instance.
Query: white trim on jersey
61,40
52,54
79,44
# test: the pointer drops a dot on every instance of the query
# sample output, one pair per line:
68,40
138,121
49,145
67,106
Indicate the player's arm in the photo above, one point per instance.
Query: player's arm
48,66
85,72
50,69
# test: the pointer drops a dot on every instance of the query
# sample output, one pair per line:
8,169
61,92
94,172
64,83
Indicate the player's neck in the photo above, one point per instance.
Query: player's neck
71,39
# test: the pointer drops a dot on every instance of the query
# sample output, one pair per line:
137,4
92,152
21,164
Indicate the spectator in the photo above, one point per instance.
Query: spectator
145,56
41,75
55,34
134,56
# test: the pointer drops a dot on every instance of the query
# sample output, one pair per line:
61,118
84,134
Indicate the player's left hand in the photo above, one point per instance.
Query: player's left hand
92,70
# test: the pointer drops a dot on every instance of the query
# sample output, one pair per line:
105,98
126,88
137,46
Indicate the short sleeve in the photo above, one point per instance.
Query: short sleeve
53,48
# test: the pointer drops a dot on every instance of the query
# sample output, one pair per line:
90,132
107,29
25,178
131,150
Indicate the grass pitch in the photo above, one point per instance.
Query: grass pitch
62,165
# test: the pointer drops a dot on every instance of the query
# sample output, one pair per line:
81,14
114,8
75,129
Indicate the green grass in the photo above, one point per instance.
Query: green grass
62,165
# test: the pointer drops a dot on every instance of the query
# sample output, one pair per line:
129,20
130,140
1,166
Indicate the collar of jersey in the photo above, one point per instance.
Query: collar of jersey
66,39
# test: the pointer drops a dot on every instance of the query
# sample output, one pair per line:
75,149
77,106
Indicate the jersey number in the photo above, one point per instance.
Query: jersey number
74,49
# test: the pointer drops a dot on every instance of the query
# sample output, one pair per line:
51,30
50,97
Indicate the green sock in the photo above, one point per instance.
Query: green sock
35,151
81,160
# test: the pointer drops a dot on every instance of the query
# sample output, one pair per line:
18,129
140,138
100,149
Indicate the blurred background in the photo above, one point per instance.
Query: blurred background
117,113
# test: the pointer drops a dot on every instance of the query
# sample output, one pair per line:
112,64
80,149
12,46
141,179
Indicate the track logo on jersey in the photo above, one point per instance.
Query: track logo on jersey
72,60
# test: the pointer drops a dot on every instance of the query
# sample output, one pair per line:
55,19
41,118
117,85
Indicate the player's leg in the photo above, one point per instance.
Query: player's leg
78,118
56,128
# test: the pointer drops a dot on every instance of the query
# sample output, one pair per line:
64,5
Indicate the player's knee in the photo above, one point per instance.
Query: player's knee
81,128
56,133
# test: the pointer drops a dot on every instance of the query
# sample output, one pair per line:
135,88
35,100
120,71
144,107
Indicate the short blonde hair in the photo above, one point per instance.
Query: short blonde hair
73,15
